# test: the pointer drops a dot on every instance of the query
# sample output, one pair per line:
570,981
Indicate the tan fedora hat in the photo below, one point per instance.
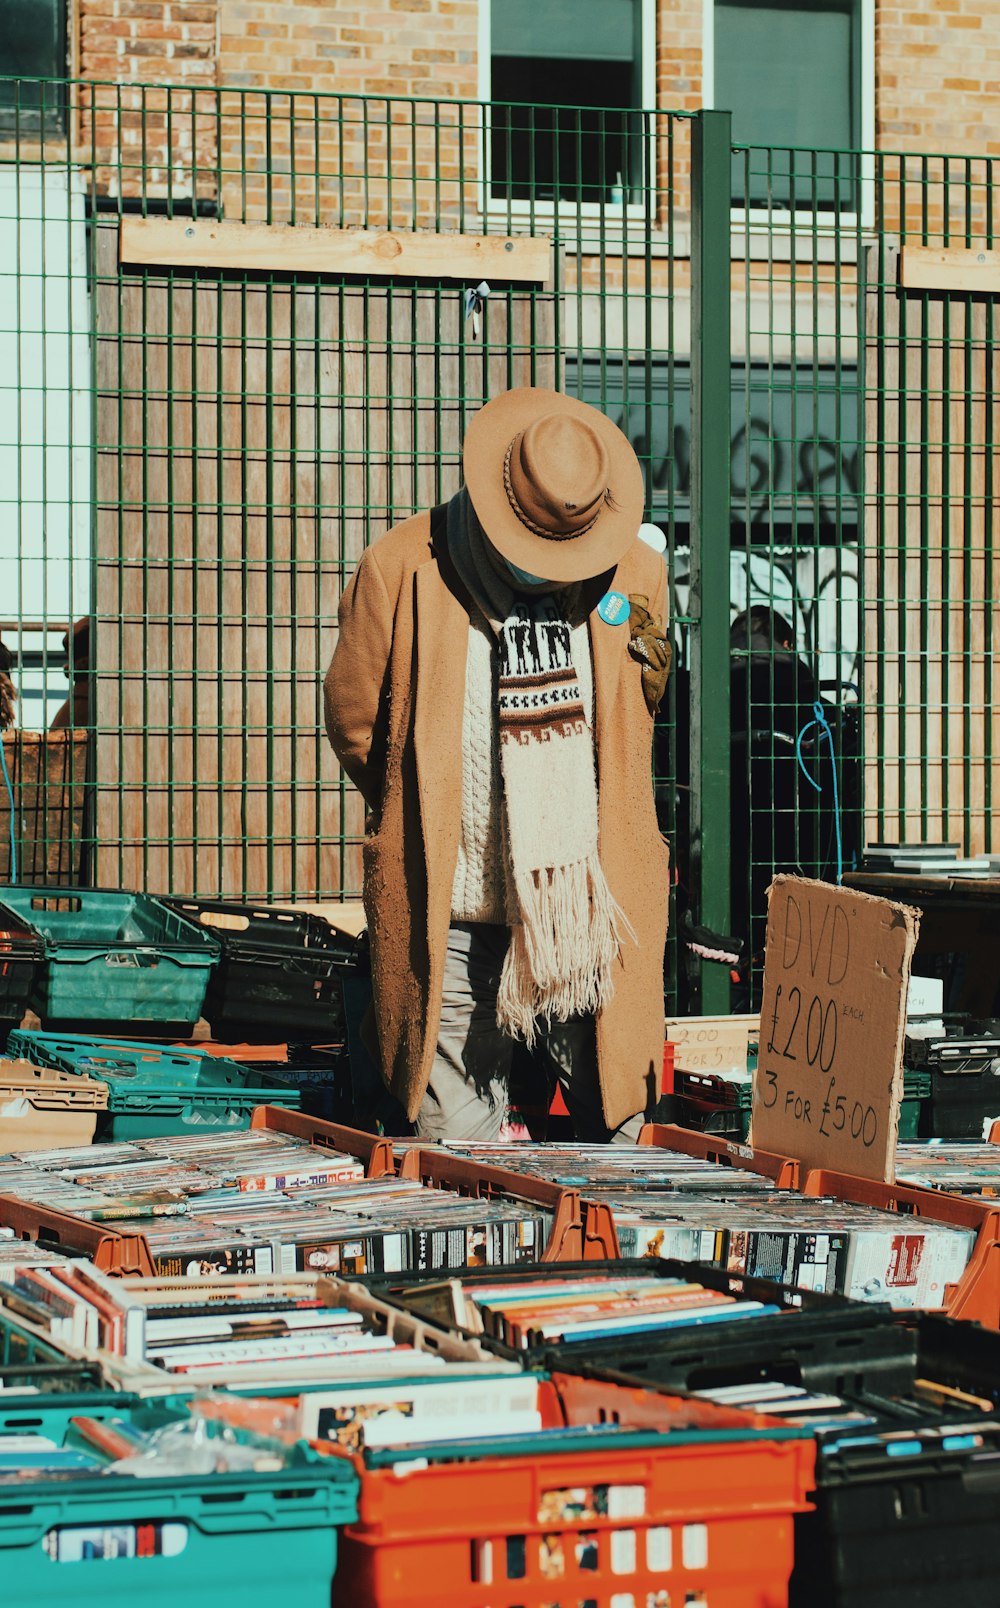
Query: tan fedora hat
555,485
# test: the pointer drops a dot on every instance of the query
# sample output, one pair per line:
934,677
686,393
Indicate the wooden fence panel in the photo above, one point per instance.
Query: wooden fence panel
932,494
254,434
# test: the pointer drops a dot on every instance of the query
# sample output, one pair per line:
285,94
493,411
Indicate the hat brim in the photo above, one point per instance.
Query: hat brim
576,558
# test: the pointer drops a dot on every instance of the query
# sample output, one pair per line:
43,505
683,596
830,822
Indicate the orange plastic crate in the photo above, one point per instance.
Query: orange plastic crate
702,1523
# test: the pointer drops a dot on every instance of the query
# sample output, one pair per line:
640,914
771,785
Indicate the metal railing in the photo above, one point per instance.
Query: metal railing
191,462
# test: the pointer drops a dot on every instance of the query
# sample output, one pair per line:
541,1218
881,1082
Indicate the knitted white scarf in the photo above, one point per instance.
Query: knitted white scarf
565,935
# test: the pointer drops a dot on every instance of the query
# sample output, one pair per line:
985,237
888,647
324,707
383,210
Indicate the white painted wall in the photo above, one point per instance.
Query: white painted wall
45,422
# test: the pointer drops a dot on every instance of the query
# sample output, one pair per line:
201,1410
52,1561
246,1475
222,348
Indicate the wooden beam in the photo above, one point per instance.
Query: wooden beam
287,248
950,269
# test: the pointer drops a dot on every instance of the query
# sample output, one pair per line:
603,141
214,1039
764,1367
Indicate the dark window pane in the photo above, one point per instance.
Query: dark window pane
789,74
548,149
32,45
601,30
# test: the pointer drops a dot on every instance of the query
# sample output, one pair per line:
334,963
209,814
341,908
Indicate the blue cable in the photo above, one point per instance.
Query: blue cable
13,832
824,726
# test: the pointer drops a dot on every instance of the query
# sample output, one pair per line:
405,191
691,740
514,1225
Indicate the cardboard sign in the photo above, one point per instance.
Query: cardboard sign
710,1043
829,1074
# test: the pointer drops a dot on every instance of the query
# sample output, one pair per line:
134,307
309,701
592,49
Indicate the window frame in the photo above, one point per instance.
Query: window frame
590,211
753,218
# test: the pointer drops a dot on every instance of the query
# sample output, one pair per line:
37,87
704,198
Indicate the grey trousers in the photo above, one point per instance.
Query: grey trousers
468,1090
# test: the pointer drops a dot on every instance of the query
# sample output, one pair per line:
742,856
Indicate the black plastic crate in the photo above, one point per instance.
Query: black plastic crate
325,1088
280,973
907,1509
900,1525
964,1044
959,1104
22,953
962,1063
889,1533
834,1344
806,1319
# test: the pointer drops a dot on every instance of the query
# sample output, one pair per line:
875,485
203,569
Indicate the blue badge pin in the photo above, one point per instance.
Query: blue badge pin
614,609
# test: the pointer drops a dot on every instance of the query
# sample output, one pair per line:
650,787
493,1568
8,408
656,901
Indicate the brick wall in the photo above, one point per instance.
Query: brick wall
396,47
169,131
938,79
937,66
679,54
938,76
418,48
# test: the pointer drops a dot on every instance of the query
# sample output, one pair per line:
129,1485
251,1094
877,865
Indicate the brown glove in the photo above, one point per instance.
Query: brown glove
650,646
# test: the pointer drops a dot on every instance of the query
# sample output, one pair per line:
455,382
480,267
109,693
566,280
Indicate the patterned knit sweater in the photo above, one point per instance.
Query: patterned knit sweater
479,889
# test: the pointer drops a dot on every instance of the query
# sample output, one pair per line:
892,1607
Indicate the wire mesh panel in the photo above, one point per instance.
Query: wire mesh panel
45,484
193,460
931,639
864,492
253,436
795,570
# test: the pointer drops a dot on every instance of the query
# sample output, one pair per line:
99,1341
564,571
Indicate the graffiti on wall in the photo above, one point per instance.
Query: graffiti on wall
795,460
817,592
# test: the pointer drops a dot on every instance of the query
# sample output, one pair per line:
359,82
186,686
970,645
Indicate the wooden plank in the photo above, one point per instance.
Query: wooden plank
288,248
950,269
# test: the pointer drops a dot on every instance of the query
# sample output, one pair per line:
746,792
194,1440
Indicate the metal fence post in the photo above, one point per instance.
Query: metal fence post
711,184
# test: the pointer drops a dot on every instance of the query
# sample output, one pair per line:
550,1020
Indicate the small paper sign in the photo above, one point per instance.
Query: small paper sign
829,1077
711,1043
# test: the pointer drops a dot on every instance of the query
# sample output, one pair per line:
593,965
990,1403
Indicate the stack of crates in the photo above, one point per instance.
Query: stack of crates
42,1107
905,1413
907,1498
154,1092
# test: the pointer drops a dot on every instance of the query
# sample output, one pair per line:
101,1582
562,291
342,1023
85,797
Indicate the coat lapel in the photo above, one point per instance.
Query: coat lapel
608,644
442,633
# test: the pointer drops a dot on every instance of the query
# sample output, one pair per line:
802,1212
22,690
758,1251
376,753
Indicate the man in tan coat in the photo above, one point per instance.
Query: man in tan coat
492,694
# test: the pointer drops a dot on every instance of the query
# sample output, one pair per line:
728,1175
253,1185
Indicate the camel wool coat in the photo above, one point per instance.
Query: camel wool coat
394,697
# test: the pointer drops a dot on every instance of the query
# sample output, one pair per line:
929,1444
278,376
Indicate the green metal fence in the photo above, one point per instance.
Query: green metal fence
192,462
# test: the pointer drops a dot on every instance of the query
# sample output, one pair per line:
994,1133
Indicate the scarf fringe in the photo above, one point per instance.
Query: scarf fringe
562,950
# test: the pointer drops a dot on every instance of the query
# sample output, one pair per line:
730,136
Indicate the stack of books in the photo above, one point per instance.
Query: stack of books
930,860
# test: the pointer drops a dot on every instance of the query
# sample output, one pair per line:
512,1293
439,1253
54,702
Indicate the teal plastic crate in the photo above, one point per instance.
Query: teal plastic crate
241,1540
916,1089
115,957
19,1348
154,1092
64,1051
52,1416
